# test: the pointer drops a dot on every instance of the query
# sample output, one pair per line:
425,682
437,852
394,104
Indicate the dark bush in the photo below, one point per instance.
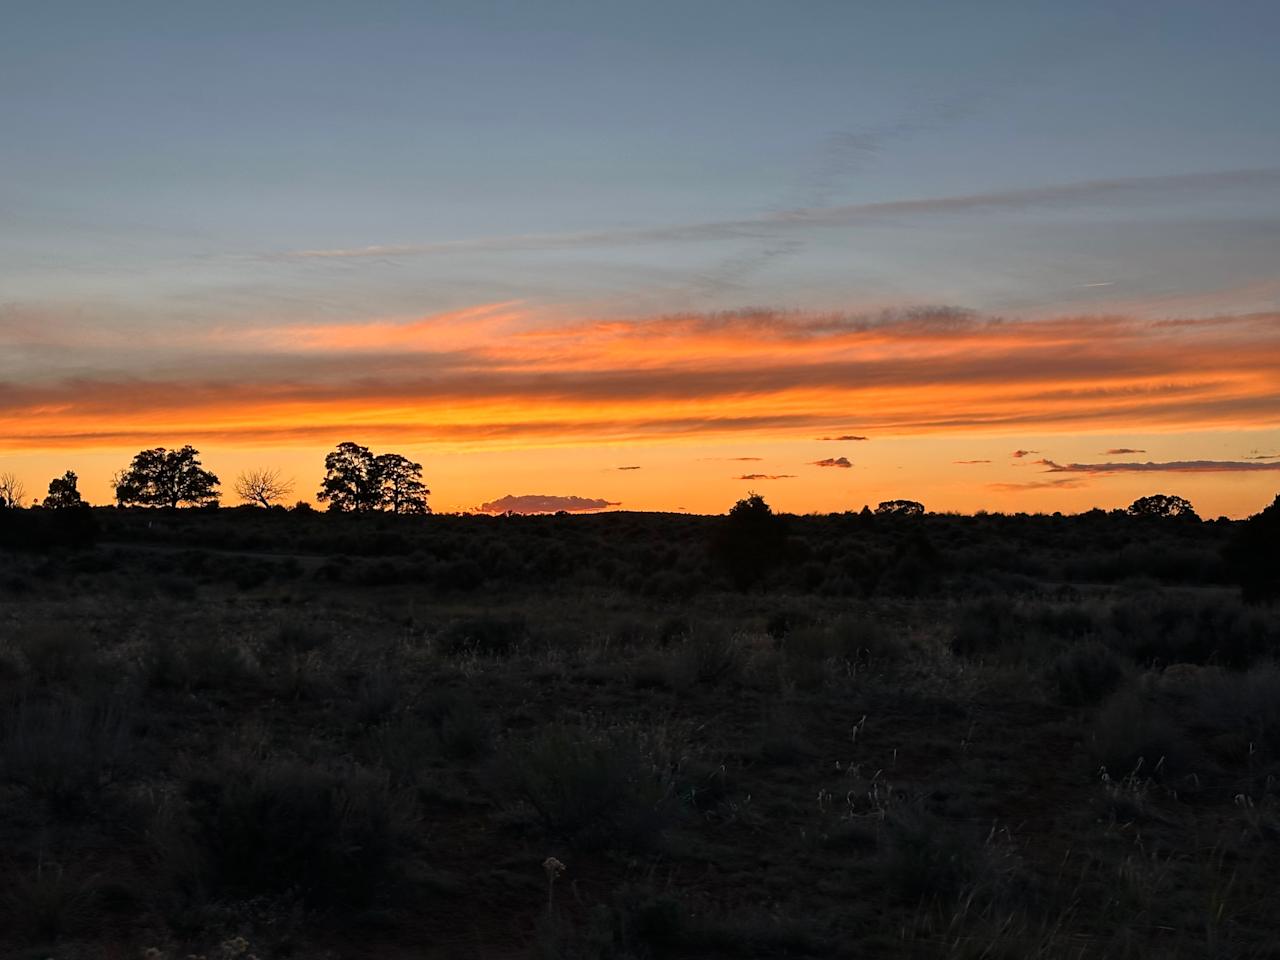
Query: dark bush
485,636
462,730
782,622
749,543
333,837
926,858
1132,732
595,789
1084,674
64,753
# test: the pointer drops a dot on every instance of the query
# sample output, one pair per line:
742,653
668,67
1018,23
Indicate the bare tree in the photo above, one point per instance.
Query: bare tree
262,486
12,492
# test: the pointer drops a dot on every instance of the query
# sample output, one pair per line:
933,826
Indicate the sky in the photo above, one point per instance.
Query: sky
1005,256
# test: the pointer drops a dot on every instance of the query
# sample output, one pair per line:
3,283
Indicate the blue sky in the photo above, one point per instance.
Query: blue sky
152,144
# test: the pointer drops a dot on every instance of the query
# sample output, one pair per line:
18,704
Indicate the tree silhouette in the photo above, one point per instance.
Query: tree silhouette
1254,555
749,542
358,481
351,481
401,484
166,478
900,508
263,487
12,492
63,493
1162,505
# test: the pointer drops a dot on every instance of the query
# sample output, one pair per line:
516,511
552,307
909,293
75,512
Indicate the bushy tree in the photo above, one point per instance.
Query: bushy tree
166,478
900,508
1162,505
400,479
350,481
749,542
356,480
63,493
1254,555
263,487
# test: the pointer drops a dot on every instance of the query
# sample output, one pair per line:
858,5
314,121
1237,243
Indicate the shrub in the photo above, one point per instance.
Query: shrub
983,627
1131,732
1084,674
925,858
57,654
297,636
48,903
635,922
1185,629
334,837
1247,703
487,635
712,655
782,622
592,788
377,694
201,661
462,730
64,753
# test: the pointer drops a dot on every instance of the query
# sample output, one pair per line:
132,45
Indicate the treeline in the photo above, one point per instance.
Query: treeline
673,557
356,480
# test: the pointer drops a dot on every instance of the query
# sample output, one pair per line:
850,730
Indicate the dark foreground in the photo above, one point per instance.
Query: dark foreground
242,732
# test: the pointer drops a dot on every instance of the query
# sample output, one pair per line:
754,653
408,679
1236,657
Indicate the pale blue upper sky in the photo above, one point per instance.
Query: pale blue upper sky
169,162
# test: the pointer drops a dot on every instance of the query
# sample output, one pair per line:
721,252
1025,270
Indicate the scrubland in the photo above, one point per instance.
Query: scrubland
281,734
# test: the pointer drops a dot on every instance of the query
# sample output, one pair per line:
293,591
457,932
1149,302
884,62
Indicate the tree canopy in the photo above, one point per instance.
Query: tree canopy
166,478
1162,505
63,493
900,508
749,542
1254,555
359,481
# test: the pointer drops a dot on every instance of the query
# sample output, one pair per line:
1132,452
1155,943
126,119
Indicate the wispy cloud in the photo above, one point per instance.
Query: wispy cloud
1119,451
846,436
833,462
1019,454
629,468
1111,192
1171,466
545,503
766,476
1060,484
970,462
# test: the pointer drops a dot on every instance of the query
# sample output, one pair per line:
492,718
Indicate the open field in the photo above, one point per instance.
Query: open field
279,733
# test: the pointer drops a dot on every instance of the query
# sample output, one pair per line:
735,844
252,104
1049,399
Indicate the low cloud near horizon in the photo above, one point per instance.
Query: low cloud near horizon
842,462
1064,483
545,503
1171,466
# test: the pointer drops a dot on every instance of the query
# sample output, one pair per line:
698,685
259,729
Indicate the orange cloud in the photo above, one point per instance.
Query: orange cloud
499,372
545,503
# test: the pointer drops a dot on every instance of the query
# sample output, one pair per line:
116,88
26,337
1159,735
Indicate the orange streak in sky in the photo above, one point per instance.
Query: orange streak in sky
503,371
